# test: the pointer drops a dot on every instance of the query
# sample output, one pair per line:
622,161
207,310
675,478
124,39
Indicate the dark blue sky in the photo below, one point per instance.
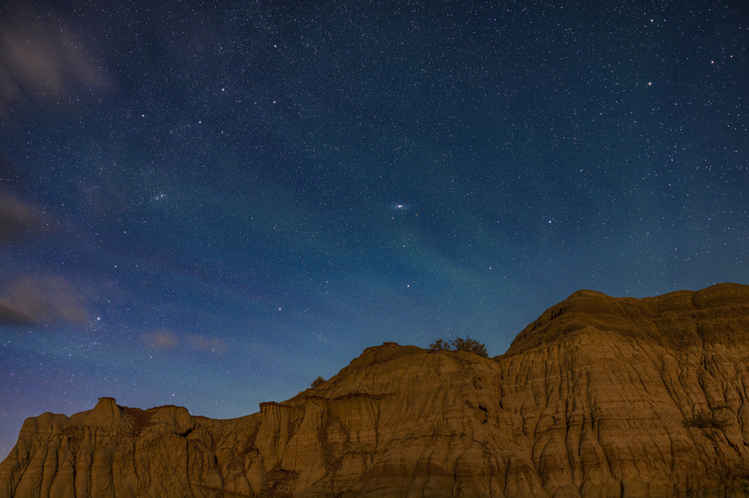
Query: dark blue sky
211,205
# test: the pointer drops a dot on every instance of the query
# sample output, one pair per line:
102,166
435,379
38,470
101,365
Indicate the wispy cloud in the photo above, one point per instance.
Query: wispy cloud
18,218
45,58
43,301
165,339
10,315
161,339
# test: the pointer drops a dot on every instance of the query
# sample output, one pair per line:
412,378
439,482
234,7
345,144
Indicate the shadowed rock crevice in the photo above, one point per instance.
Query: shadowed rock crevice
600,396
141,419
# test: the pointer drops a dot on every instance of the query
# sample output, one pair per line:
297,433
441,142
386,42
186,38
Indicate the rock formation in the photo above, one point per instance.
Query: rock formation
599,397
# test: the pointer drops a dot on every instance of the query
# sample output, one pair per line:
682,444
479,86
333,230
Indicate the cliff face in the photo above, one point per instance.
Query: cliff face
598,397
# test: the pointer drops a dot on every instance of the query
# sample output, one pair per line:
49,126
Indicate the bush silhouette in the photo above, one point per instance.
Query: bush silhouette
317,382
469,345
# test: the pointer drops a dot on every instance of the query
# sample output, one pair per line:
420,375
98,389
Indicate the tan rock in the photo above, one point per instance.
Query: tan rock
598,397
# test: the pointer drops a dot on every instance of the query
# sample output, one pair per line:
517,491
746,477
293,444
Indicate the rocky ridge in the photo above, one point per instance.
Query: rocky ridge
599,397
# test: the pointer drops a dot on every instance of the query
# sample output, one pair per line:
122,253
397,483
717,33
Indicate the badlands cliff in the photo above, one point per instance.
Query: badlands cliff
599,397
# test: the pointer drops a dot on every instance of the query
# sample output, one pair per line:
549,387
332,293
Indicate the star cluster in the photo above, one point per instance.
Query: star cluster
212,204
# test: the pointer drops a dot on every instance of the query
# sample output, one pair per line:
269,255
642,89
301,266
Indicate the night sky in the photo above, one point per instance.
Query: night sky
210,204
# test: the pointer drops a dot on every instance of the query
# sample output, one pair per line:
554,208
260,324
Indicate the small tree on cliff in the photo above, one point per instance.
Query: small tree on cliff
469,345
317,382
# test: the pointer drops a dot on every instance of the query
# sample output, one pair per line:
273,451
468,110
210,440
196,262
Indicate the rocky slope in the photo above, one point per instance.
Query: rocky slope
599,397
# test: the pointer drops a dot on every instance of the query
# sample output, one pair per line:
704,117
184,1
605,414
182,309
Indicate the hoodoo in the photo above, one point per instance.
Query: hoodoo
599,397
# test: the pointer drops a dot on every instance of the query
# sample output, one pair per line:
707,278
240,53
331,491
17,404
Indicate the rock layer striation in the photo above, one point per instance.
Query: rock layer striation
599,397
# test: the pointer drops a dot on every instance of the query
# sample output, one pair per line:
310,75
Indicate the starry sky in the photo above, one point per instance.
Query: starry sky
209,204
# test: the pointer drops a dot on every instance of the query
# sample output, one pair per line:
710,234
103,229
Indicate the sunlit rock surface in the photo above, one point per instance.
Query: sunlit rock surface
599,397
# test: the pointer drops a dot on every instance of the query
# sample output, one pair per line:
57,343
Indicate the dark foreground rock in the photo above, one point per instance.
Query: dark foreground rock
600,397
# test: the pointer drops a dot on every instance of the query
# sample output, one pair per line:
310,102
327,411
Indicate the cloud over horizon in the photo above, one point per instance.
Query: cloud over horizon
43,301
166,339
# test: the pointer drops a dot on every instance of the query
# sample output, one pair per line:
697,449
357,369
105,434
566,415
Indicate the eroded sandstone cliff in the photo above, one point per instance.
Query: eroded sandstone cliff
599,397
